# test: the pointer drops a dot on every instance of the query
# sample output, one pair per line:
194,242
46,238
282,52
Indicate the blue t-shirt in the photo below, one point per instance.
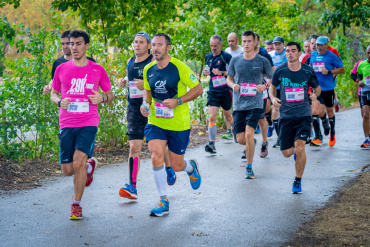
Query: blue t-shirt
220,62
278,59
330,61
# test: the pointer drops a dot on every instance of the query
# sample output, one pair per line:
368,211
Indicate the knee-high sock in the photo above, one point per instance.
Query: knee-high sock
212,132
160,179
324,120
268,118
134,163
276,125
316,125
332,125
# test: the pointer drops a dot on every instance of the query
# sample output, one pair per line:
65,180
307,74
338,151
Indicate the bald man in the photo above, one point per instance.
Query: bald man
234,49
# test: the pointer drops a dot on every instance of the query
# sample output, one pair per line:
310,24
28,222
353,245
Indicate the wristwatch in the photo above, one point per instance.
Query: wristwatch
329,72
179,101
59,102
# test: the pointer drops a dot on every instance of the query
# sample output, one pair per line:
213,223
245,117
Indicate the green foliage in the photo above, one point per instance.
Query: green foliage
6,33
15,3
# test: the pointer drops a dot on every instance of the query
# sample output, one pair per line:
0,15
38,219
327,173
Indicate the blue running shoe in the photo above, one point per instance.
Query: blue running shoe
171,176
297,189
161,209
257,130
270,130
194,177
128,192
250,173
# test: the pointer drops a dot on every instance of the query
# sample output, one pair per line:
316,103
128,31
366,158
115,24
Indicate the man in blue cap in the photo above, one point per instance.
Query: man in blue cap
326,65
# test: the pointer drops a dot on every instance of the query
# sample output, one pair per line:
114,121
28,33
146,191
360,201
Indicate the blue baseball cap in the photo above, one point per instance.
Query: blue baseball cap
321,40
278,39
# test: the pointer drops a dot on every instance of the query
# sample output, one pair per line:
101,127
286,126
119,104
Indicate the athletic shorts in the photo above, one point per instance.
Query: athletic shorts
177,141
365,99
327,98
264,109
71,139
244,118
293,129
223,99
136,123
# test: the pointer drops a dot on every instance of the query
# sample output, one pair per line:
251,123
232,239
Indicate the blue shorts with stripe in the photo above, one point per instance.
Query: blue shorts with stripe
81,138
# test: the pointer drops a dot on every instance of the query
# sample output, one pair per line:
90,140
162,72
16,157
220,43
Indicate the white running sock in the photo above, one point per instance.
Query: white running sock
89,169
160,178
188,168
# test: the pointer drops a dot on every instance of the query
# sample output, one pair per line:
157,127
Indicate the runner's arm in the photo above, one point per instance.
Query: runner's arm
338,71
148,96
109,97
231,84
192,93
317,91
354,77
54,97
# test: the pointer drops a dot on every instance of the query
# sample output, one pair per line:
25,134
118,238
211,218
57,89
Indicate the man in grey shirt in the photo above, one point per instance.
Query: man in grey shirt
234,49
245,77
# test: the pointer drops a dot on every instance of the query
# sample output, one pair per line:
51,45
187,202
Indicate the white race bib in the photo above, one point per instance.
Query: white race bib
161,111
248,89
134,91
78,106
318,67
265,95
218,81
367,81
294,94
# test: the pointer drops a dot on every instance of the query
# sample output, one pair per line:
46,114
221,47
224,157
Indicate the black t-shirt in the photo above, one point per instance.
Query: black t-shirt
135,71
266,55
294,87
60,61
220,62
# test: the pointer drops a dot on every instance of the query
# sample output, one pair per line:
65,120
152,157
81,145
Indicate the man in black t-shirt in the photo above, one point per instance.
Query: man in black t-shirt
64,41
294,79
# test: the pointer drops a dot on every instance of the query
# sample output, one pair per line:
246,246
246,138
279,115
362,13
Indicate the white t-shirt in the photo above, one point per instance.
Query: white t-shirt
236,52
302,56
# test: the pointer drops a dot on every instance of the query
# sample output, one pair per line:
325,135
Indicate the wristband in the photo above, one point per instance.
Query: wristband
329,72
59,102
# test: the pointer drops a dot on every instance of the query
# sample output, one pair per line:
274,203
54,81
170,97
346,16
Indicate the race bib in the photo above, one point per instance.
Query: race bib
318,67
78,106
218,81
265,95
367,81
134,91
248,89
161,111
294,94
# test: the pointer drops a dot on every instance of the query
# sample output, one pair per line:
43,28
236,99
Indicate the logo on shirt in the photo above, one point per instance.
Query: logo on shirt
151,75
193,78
78,86
160,87
89,86
287,83
140,72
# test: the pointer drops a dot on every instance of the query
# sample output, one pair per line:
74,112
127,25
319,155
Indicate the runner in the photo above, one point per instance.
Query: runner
165,82
269,45
136,122
78,81
326,64
313,47
278,57
363,71
64,41
295,110
307,47
234,49
354,77
246,79
219,93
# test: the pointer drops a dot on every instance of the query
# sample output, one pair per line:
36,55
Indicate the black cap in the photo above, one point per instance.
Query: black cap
268,42
278,39
143,34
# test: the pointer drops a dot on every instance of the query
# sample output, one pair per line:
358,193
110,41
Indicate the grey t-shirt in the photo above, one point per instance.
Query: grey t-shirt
294,90
235,53
247,74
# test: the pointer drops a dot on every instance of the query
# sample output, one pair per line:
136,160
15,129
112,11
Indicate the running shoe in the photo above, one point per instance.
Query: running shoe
366,144
264,151
297,188
244,156
250,173
332,140
76,212
171,176
270,130
94,163
316,142
326,127
257,130
277,144
161,209
129,192
210,148
195,179
227,136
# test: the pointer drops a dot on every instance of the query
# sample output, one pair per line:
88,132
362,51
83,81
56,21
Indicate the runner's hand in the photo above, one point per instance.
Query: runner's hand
216,72
205,72
96,98
276,102
260,88
313,96
236,87
170,103
121,83
64,103
139,84
324,71
360,83
47,89
144,112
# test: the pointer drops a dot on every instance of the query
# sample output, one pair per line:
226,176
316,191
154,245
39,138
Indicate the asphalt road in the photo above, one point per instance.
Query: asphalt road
227,210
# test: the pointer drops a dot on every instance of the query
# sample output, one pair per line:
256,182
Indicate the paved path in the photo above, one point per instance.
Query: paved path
227,210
